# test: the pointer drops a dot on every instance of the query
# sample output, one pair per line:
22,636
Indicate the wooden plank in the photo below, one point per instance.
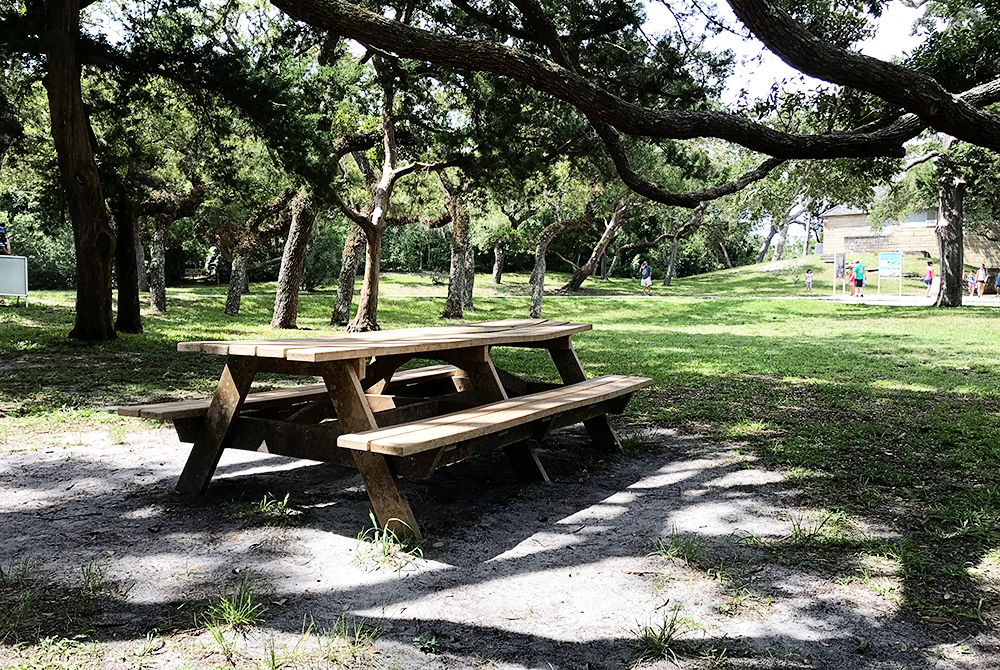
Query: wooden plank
207,449
443,430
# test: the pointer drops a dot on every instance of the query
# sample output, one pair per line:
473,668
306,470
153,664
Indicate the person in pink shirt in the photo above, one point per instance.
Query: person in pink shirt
929,276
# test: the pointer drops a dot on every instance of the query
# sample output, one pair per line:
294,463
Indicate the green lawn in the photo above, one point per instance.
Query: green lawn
882,416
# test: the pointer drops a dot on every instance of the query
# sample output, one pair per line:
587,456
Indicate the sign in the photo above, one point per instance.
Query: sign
838,272
890,266
14,276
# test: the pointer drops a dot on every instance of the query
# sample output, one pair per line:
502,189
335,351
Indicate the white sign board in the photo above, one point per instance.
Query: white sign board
890,266
14,276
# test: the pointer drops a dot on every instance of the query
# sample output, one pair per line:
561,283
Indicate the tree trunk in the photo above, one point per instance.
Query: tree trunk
129,315
767,243
550,233
237,280
286,300
585,270
499,259
672,263
158,263
949,233
537,282
779,245
354,248
367,317
93,239
142,280
470,278
808,227
458,272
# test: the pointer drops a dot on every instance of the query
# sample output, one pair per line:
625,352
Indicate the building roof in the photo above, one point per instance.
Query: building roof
843,210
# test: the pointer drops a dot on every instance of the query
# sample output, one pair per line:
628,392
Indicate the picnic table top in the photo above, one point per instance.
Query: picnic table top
391,342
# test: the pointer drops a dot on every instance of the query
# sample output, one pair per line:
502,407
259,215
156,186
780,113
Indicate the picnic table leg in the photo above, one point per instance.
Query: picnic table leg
572,372
207,449
385,491
475,364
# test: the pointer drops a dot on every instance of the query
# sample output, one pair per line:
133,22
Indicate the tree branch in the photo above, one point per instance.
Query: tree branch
911,90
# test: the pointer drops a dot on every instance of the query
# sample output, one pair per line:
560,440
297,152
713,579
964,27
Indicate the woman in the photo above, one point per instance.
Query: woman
981,278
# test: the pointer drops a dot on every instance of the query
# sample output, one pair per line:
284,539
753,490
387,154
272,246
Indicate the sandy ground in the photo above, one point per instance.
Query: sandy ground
513,576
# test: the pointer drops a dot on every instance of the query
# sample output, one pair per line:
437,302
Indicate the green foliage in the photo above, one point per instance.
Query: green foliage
322,262
51,257
414,248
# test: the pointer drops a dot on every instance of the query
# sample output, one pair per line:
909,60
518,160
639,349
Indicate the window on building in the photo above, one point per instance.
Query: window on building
924,219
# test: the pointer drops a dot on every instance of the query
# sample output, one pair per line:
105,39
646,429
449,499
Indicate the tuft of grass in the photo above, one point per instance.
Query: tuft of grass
381,547
639,442
688,549
271,511
235,610
662,639
348,640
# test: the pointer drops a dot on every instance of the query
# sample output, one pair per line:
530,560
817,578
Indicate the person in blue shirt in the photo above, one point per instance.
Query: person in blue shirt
646,278
4,241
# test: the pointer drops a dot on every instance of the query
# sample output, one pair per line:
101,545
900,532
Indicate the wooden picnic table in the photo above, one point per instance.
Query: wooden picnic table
386,423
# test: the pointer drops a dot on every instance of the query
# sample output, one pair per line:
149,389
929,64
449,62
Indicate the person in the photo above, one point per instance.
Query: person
850,278
981,278
4,242
998,284
929,276
971,283
859,278
809,281
646,278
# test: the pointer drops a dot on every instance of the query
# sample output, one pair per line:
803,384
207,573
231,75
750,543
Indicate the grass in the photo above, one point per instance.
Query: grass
235,610
879,415
380,547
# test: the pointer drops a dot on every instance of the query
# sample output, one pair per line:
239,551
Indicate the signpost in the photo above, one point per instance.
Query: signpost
839,263
890,266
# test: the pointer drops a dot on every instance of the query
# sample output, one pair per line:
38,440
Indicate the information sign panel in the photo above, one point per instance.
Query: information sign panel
890,266
839,263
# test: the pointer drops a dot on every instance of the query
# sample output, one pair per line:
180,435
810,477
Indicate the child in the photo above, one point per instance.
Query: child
809,281
929,277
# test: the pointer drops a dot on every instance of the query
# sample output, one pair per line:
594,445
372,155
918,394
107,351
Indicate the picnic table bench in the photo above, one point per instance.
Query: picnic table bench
390,423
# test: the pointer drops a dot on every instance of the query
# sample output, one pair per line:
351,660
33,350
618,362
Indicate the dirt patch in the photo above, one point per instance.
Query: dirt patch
680,541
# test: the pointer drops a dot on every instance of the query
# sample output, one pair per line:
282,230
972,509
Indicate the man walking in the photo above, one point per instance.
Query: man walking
646,278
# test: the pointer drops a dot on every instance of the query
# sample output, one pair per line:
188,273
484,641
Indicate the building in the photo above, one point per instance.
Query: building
844,226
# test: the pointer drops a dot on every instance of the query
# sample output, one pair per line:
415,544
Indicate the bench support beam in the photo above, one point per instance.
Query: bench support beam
204,458
599,428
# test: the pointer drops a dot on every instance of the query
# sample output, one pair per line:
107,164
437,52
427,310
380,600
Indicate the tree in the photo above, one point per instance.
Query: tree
286,301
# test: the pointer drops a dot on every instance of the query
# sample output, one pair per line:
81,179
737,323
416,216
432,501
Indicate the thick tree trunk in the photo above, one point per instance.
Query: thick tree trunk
949,234
458,272
237,280
129,318
499,260
354,249
537,282
158,263
585,270
367,317
286,300
93,240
